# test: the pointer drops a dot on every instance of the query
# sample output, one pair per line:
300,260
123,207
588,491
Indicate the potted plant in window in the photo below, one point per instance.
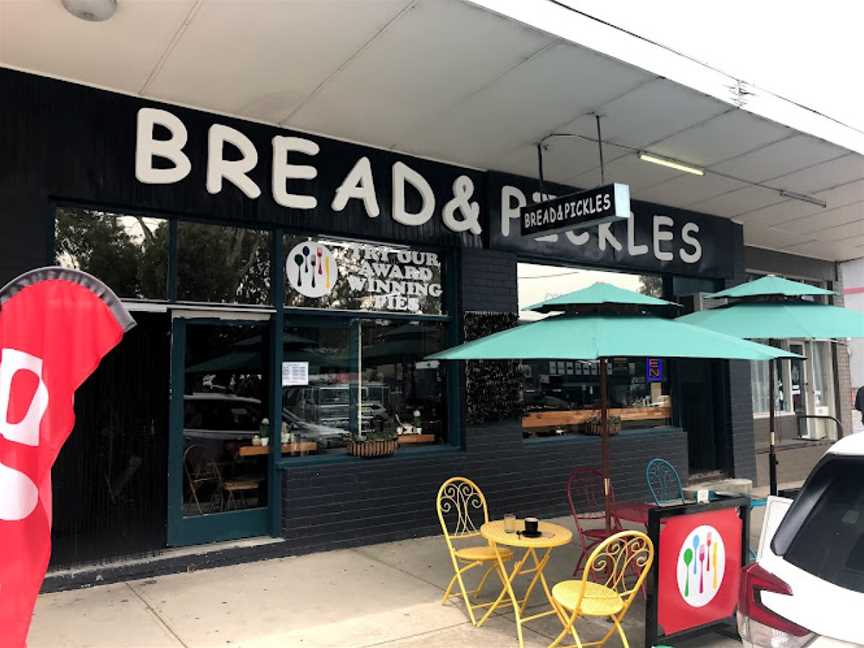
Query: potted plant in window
378,441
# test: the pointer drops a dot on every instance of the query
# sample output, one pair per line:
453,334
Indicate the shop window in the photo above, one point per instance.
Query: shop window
226,265
358,378
351,275
225,406
563,396
784,385
128,253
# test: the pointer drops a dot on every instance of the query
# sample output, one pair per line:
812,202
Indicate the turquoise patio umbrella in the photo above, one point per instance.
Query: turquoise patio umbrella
773,308
602,322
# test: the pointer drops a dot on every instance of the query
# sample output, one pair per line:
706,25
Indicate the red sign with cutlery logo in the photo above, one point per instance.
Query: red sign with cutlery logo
700,563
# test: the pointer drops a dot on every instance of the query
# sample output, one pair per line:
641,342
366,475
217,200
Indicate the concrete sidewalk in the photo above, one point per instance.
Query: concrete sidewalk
381,595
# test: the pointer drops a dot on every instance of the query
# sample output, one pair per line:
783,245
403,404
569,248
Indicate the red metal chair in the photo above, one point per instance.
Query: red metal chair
587,506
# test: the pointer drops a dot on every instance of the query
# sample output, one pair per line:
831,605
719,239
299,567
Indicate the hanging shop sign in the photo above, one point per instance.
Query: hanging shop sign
349,275
325,182
655,238
577,211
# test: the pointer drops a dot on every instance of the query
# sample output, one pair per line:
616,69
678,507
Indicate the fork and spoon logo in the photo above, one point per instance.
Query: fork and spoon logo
701,566
311,269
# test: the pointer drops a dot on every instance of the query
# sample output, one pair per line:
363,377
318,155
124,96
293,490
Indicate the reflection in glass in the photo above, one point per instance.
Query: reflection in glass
224,418
317,411
350,275
759,376
402,390
228,265
387,388
128,253
564,397
537,283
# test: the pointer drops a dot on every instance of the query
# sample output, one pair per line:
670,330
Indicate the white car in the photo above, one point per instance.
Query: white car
807,586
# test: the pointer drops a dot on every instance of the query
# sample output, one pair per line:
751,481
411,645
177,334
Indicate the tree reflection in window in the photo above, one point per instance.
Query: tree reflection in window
128,253
223,264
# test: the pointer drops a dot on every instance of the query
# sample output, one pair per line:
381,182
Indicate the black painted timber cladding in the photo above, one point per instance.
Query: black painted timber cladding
63,142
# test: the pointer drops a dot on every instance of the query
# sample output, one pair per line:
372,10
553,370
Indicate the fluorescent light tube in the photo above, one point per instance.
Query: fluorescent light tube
672,164
803,198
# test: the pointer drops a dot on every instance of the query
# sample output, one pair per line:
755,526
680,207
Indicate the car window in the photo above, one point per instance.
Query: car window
829,541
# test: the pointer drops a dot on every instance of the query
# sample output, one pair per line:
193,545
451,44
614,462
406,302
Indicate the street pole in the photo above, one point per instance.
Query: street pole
772,451
604,439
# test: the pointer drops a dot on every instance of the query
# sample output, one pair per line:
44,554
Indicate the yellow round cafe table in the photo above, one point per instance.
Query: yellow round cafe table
537,550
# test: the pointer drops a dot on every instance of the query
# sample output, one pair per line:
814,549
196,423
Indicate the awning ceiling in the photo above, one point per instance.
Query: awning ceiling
454,81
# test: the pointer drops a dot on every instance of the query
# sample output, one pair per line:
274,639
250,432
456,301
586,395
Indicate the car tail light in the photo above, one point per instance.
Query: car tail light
759,625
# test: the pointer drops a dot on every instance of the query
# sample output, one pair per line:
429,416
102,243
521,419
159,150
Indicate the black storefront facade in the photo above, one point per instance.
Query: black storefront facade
213,230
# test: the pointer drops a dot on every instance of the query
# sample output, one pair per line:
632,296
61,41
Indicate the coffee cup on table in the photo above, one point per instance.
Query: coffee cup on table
532,525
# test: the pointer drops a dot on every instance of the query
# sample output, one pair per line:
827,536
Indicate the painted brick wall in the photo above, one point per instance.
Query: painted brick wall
377,500
740,403
489,281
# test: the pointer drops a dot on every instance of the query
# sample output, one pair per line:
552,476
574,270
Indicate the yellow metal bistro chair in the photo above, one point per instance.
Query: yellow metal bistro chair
462,510
613,563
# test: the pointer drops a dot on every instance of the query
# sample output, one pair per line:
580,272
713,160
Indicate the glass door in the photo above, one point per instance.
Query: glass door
220,432
812,390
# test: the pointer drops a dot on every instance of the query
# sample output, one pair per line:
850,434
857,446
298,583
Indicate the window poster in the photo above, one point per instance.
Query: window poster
351,275
295,373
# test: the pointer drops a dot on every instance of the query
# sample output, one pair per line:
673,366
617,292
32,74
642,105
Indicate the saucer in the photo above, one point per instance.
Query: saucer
529,534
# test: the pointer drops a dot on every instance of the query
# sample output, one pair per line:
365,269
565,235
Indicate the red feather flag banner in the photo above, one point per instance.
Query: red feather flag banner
56,325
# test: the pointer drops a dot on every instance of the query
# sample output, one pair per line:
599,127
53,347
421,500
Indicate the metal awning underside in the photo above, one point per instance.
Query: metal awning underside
455,81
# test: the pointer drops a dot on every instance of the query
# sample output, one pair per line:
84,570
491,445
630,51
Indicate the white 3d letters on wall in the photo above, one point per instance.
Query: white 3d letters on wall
402,173
147,148
232,170
687,235
463,190
661,235
359,183
18,494
512,200
282,171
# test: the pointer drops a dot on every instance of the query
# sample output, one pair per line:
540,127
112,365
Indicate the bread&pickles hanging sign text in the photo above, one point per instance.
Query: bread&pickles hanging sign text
605,204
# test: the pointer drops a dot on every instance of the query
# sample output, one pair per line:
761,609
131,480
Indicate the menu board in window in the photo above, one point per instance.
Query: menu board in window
351,275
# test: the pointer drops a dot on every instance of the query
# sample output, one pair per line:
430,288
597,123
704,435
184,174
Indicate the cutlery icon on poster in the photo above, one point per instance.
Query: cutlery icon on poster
701,566
311,269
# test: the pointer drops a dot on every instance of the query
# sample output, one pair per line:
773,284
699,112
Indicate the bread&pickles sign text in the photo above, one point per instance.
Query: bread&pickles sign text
227,169
577,211
654,238
327,181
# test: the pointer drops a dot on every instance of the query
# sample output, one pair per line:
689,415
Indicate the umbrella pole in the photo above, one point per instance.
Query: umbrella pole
604,439
772,452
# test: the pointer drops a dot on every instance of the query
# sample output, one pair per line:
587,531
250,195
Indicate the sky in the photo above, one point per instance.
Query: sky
805,51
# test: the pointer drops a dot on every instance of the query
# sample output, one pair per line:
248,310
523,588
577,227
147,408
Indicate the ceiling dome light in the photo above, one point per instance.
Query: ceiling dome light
92,10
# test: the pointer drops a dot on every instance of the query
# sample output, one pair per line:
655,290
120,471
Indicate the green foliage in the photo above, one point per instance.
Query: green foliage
493,387
130,254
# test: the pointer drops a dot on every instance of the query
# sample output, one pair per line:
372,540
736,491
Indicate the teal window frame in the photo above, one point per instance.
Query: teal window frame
278,312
